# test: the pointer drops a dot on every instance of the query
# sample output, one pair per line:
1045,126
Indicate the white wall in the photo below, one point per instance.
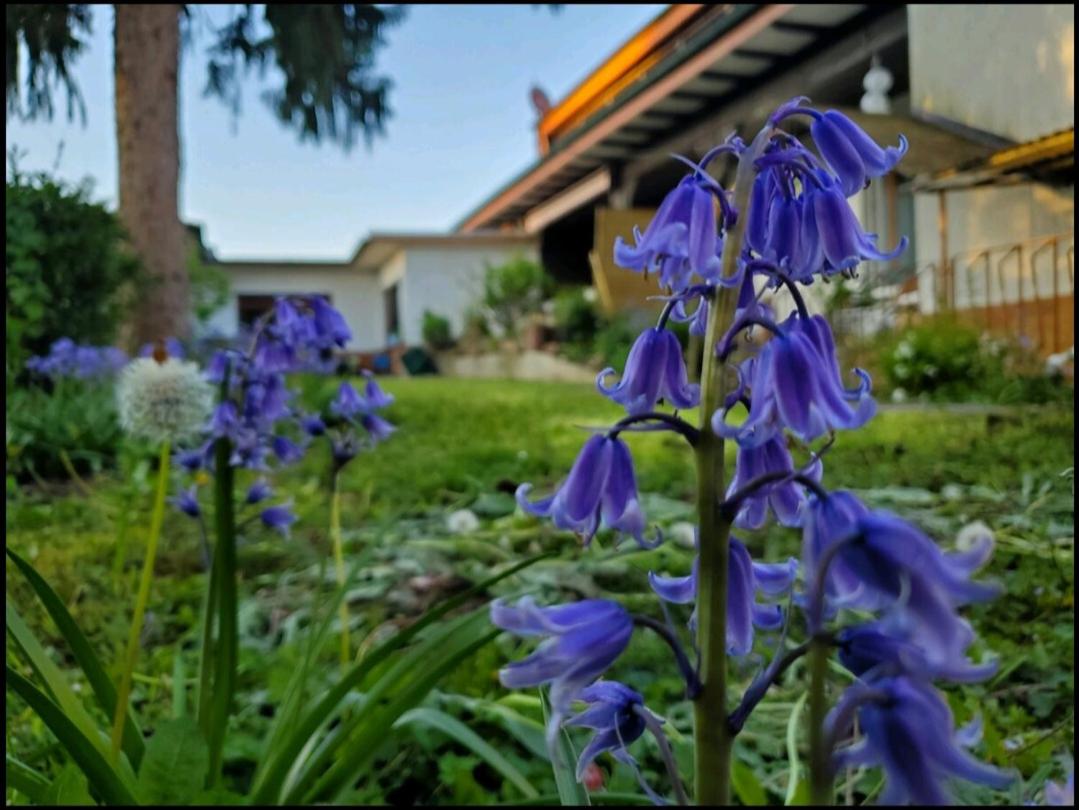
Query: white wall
357,295
1006,69
447,280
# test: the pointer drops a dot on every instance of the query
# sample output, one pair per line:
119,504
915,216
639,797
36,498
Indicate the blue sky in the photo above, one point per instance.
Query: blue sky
462,125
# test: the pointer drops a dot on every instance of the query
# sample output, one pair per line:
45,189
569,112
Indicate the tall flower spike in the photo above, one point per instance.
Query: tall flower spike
655,370
908,729
796,384
582,640
600,487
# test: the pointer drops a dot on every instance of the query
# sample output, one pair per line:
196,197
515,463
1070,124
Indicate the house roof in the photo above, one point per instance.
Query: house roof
1045,158
653,85
377,248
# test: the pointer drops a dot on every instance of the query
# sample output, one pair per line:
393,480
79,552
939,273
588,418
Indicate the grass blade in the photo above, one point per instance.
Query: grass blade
571,793
458,731
108,783
26,780
88,662
794,771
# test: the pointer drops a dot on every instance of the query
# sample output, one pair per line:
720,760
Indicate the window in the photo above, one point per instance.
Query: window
389,306
250,307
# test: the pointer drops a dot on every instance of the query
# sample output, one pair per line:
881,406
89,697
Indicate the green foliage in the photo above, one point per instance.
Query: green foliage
944,360
75,419
325,53
575,316
175,765
513,290
436,330
209,286
67,270
52,35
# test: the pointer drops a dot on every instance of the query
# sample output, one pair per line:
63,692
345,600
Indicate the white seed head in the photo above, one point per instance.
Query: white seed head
972,534
163,401
462,521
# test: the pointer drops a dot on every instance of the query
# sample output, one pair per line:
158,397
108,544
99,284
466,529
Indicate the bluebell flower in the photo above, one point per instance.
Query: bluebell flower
1061,795
909,730
258,491
683,236
600,488
784,497
745,580
278,518
348,403
618,716
377,428
373,394
66,359
312,425
286,450
842,241
890,647
194,459
344,448
851,153
582,640
796,385
330,326
187,502
173,346
655,370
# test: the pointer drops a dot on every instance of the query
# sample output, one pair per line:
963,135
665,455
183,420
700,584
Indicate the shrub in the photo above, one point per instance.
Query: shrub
513,290
436,330
67,269
575,316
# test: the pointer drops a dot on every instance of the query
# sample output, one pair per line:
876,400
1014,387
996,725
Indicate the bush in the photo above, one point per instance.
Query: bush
943,360
436,331
67,269
76,418
513,290
575,316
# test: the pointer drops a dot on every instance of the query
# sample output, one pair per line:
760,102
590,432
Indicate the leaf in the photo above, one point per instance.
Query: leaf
69,788
746,785
796,789
175,765
571,793
494,504
99,681
108,783
458,731
26,780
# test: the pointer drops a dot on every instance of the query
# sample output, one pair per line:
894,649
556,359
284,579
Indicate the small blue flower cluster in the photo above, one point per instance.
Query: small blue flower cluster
67,359
255,416
855,561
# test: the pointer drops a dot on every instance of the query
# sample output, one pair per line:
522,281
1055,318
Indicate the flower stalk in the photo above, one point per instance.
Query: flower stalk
339,564
712,750
141,600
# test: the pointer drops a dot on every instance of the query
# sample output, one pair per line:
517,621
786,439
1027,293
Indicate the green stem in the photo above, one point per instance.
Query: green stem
712,749
223,581
339,563
820,772
141,599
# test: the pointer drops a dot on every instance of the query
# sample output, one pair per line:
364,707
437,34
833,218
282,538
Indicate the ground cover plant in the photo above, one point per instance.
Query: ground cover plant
943,468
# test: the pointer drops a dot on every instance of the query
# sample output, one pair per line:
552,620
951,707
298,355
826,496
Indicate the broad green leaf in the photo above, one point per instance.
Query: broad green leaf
179,686
69,788
109,783
458,731
571,793
747,786
99,681
26,780
175,765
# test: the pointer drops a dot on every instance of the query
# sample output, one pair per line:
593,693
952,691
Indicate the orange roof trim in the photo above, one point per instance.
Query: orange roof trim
621,69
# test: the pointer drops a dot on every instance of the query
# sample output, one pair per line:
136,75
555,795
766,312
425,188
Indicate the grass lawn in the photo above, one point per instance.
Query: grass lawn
467,444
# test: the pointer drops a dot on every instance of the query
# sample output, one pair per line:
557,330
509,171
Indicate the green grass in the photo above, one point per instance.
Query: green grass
465,443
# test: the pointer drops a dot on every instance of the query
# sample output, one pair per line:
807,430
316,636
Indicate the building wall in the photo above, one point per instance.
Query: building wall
445,280
1006,69
356,295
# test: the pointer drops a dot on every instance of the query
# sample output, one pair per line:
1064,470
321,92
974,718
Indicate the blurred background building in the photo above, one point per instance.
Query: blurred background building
984,94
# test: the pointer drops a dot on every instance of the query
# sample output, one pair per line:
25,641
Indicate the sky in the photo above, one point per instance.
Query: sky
462,126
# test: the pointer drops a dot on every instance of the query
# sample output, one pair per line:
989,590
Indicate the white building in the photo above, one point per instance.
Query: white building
383,290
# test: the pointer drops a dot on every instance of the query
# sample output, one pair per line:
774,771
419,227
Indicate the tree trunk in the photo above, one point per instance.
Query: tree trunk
147,55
